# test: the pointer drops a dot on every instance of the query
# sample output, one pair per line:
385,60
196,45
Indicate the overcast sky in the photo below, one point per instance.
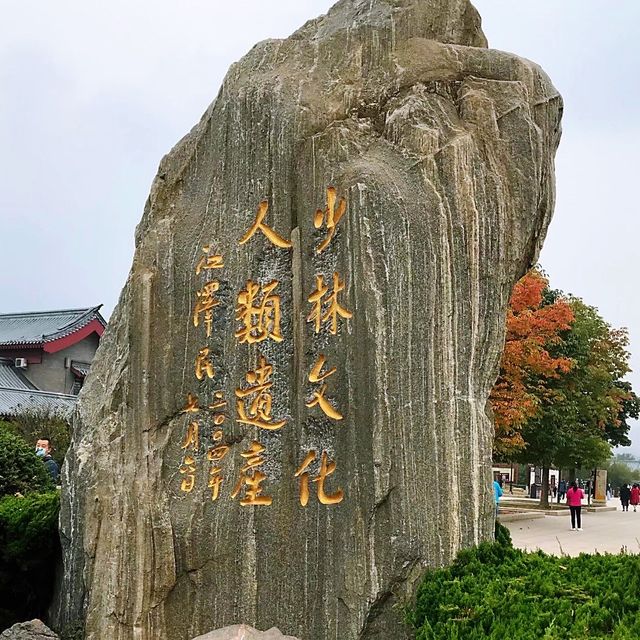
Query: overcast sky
93,94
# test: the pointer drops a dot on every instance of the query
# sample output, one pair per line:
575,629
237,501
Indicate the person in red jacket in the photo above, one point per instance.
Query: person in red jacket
635,496
574,500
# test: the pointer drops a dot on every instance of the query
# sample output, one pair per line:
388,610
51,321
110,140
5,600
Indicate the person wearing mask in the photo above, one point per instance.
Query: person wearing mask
497,492
574,500
43,450
625,496
635,496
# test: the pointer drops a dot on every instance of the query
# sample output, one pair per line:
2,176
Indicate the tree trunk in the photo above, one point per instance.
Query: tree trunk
544,490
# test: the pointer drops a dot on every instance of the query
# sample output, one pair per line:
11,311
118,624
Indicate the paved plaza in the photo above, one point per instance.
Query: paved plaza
607,531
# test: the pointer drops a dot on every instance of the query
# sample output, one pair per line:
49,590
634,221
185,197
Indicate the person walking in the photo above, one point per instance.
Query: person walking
625,496
635,496
574,500
497,492
562,490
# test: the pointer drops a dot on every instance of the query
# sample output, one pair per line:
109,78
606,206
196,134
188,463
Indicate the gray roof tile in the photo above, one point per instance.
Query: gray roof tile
44,326
81,368
15,401
12,377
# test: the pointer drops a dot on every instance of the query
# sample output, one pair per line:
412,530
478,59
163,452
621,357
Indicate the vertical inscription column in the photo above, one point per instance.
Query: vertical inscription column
325,315
202,318
259,316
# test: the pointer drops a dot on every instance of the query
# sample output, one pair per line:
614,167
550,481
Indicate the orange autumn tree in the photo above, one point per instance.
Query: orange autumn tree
532,327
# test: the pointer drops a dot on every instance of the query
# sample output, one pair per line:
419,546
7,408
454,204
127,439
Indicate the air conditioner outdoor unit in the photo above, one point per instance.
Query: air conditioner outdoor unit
21,363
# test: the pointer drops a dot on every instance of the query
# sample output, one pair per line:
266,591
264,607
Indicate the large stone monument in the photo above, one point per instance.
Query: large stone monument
285,423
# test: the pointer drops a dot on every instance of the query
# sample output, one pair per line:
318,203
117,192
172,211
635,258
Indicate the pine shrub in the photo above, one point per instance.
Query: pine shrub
29,555
494,592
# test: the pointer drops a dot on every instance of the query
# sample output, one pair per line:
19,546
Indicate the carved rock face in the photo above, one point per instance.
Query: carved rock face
329,252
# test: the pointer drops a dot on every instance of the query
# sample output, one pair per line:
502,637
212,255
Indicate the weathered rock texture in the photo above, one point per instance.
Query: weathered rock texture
32,630
444,151
243,632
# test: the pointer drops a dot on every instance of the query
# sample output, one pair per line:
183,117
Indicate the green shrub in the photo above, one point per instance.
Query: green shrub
494,592
29,555
21,471
502,534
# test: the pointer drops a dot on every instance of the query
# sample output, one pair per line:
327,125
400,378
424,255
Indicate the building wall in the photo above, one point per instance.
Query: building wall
503,472
51,374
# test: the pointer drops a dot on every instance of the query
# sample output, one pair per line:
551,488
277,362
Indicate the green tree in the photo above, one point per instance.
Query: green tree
21,471
588,406
617,433
533,325
33,425
619,473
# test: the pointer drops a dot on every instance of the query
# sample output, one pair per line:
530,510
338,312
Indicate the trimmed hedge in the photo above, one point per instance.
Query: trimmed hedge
494,592
21,471
29,555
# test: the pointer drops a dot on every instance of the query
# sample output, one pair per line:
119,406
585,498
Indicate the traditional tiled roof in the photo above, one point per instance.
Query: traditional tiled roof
80,368
40,327
12,377
19,401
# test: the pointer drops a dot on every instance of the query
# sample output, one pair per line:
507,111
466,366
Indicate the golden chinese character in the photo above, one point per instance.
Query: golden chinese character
319,396
253,481
326,469
209,262
334,309
188,470
217,453
260,320
219,402
191,437
205,304
279,241
215,480
258,413
204,366
192,405
316,375
332,216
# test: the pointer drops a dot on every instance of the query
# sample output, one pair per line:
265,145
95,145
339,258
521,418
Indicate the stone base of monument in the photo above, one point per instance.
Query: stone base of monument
520,515
32,630
244,632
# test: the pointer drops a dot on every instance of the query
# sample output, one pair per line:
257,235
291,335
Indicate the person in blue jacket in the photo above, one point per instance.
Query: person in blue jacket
43,451
497,490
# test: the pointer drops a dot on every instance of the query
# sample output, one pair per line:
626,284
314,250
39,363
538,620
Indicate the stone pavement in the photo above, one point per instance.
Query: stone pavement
609,531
